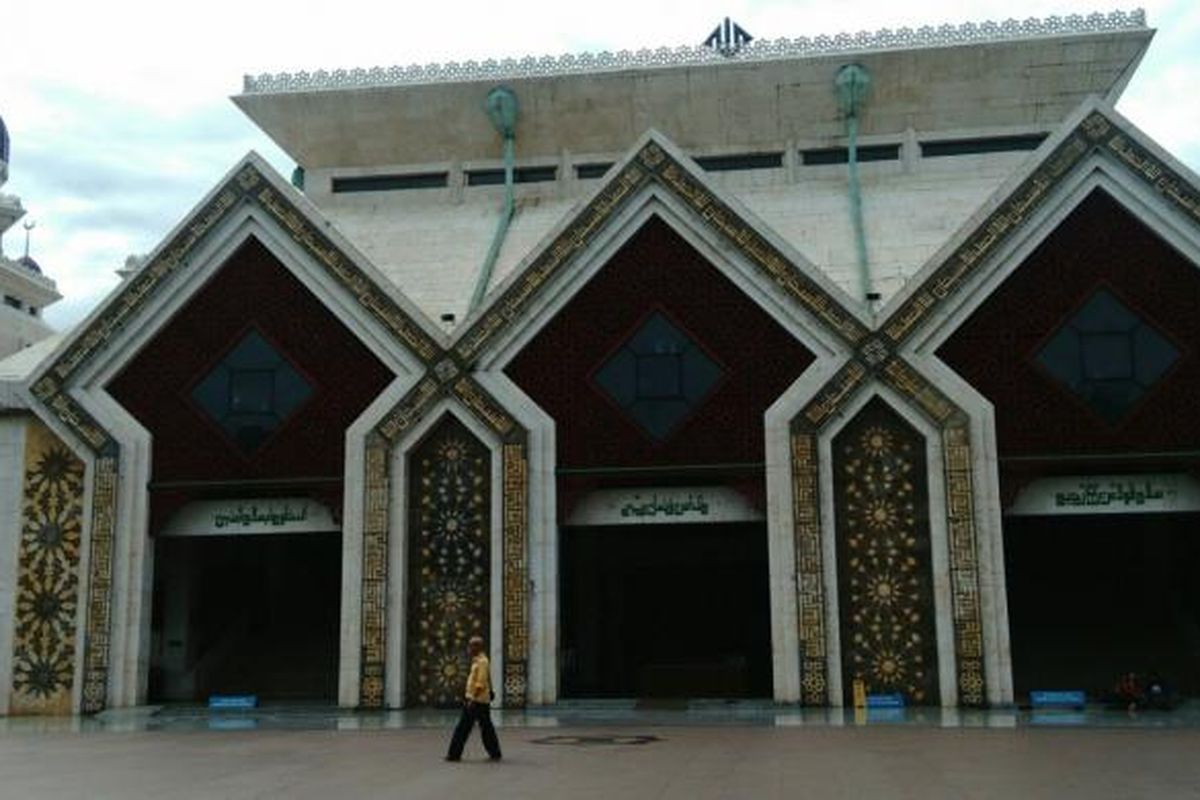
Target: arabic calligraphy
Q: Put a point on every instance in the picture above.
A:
(245, 516)
(665, 506)
(1125, 493)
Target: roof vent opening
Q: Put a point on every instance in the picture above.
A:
(495, 177)
(982, 145)
(841, 155)
(592, 170)
(391, 183)
(740, 161)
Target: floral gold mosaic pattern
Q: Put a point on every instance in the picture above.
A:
(47, 598)
(884, 570)
(449, 561)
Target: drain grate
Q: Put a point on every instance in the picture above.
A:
(592, 741)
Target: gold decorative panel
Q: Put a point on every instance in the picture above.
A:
(449, 561)
(516, 574)
(814, 678)
(885, 574)
(99, 595)
(47, 591)
(514, 535)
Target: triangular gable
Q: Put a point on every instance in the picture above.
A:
(656, 161)
(252, 181)
(1096, 128)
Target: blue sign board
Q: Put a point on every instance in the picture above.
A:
(895, 700)
(1073, 698)
(233, 701)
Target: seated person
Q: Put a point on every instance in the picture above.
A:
(1158, 693)
(1129, 692)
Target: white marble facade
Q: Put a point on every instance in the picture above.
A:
(920, 212)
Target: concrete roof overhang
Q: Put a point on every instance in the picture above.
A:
(745, 104)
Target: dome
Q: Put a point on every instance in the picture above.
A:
(4, 141)
(28, 263)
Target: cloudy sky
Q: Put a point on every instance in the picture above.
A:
(121, 121)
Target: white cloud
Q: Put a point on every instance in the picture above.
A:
(120, 118)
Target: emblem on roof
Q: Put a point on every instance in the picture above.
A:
(728, 38)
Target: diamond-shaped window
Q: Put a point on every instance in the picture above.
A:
(252, 392)
(659, 376)
(1108, 355)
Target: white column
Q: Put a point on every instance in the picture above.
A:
(12, 473)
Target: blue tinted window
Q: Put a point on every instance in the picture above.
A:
(251, 392)
(1107, 355)
(658, 376)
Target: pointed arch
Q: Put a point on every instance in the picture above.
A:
(67, 392)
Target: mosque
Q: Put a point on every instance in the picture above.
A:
(755, 369)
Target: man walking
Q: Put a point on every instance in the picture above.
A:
(477, 706)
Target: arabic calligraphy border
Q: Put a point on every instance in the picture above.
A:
(382, 440)
(50, 387)
(655, 164)
(1096, 133)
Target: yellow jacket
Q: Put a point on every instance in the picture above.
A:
(479, 681)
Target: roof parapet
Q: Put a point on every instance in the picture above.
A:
(694, 55)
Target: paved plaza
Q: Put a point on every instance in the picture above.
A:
(595, 755)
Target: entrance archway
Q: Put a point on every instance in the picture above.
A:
(1094, 596)
(247, 600)
(664, 593)
(655, 611)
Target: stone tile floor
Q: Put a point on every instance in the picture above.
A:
(613, 750)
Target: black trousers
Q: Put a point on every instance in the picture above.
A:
(472, 713)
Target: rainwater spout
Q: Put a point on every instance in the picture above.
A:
(852, 82)
(501, 107)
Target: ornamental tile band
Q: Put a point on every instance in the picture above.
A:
(810, 579)
(927, 36)
(99, 594)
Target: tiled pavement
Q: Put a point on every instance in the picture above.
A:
(604, 751)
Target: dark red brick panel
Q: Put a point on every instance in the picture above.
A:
(658, 270)
(1099, 244)
(252, 289)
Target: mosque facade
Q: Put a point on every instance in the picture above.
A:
(758, 369)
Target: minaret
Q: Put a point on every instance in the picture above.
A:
(24, 290)
(10, 206)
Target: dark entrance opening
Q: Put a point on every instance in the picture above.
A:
(665, 611)
(249, 614)
(1092, 597)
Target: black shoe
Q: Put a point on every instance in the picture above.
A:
(452, 759)
(494, 758)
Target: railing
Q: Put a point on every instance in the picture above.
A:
(694, 55)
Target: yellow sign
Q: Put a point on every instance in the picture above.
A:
(860, 693)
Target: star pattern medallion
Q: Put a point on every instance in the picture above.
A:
(449, 562)
(884, 562)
